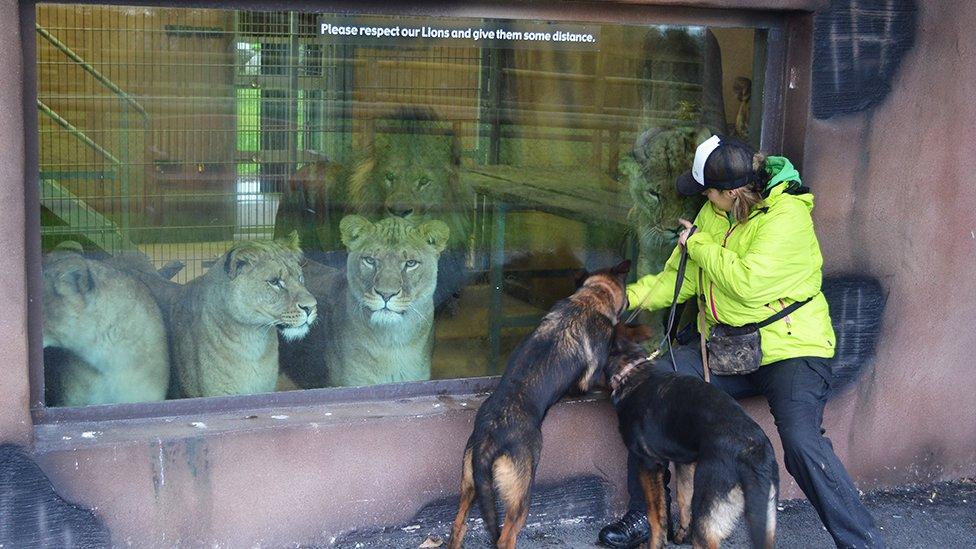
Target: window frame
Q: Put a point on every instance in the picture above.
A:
(786, 99)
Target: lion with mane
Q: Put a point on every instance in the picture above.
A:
(409, 169)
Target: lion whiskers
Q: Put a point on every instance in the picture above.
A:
(419, 313)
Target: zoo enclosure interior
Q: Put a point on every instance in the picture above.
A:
(178, 132)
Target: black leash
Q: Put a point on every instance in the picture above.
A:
(682, 265)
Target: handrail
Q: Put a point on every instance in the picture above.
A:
(90, 69)
(77, 133)
(127, 102)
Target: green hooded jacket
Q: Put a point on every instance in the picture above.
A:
(752, 270)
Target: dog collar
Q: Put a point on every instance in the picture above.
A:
(617, 381)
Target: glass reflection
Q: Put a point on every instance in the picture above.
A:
(241, 202)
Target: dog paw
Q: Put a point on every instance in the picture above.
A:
(653, 542)
(680, 536)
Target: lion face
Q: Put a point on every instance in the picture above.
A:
(660, 156)
(414, 174)
(413, 189)
(392, 265)
(267, 286)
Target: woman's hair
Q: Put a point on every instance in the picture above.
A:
(743, 202)
(741, 161)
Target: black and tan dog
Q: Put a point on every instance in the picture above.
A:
(566, 351)
(724, 463)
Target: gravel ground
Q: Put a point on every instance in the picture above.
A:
(941, 515)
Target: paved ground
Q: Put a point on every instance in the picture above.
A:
(941, 515)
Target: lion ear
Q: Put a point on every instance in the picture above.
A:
(76, 280)
(236, 260)
(70, 246)
(291, 242)
(352, 228)
(435, 233)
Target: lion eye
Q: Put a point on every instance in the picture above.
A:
(276, 283)
(412, 263)
(389, 178)
(369, 260)
(301, 279)
(423, 182)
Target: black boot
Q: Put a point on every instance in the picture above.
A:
(630, 531)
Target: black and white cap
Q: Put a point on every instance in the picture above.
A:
(720, 163)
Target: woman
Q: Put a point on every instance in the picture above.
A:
(754, 254)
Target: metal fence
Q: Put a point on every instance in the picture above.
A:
(173, 130)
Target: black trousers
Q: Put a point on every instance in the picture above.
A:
(796, 390)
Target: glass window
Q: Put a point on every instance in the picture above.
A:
(239, 202)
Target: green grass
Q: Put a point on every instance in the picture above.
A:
(248, 119)
(248, 126)
(247, 168)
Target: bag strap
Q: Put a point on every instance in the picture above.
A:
(701, 325)
(786, 311)
(752, 327)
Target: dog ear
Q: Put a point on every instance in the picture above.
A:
(622, 268)
(638, 333)
(599, 380)
(643, 333)
(579, 277)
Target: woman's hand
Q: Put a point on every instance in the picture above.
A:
(683, 235)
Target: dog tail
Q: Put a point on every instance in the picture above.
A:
(484, 483)
(760, 490)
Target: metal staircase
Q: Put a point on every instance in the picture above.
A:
(108, 227)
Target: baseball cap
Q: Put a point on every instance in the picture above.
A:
(720, 163)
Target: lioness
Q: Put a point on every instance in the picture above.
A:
(379, 328)
(110, 331)
(223, 323)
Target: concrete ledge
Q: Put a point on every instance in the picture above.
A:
(301, 474)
